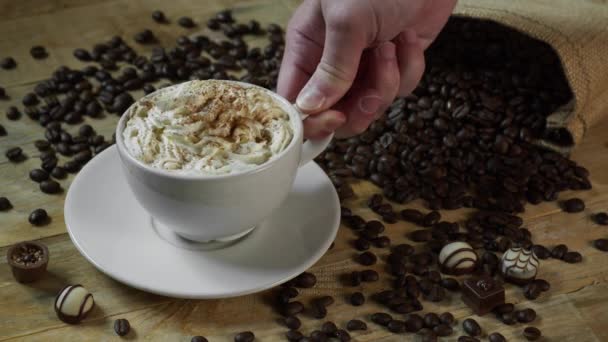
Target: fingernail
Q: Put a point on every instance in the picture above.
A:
(387, 51)
(370, 104)
(310, 99)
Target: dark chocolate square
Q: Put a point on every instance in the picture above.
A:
(482, 294)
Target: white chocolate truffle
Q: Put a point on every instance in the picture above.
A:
(73, 303)
(519, 265)
(457, 258)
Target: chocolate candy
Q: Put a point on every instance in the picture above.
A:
(73, 303)
(28, 261)
(519, 266)
(457, 258)
(482, 294)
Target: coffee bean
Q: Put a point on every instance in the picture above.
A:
(357, 299)
(186, 22)
(355, 222)
(50, 187)
(381, 318)
(122, 327)
(601, 219)
(42, 145)
(450, 284)
(2, 131)
(245, 336)
(471, 327)
(362, 244)
(532, 291)
(198, 339)
(12, 113)
(367, 258)
(443, 330)
(38, 217)
(325, 300)
(8, 63)
(15, 154)
(504, 308)
(467, 339)
(414, 323)
(329, 328)
(342, 335)
(423, 235)
(144, 37)
(305, 280)
(572, 257)
(293, 322)
(318, 336)
(71, 166)
(293, 308)
(355, 324)
(541, 252)
(573, 205)
(559, 251)
(369, 275)
(404, 249)
(375, 227)
(49, 164)
(396, 326)
(38, 52)
(427, 335)
(431, 320)
(412, 215)
(5, 204)
(601, 244)
(30, 99)
(542, 284)
(82, 55)
(293, 335)
(446, 318)
(159, 17)
(532, 333)
(38, 175)
(508, 318)
(83, 157)
(526, 315)
(496, 337)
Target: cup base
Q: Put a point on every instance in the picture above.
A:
(181, 241)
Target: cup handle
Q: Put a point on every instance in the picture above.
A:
(312, 148)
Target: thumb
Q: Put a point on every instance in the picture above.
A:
(336, 71)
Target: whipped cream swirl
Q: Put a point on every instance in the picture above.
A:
(207, 127)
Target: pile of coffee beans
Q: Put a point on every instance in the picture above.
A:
(466, 137)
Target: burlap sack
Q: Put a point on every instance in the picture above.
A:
(578, 31)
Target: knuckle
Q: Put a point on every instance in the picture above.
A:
(335, 73)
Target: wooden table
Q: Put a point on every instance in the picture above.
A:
(573, 310)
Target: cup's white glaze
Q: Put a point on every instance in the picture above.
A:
(211, 207)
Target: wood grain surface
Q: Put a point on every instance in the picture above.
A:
(573, 310)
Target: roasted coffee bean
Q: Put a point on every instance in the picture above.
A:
(541, 252)
(72, 166)
(573, 205)
(354, 278)
(601, 244)
(159, 17)
(38, 217)
(471, 327)
(58, 173)
(427, 335)
(362, 244)
(356, 222)
(8, 63)
(42, 145)
(467, 339)
(342, 335)
(601, 219)
(30, 99)
(50, 187)
(532, 333)
(356, 324)
(446, 318)
(369, 276)
(396, 326)
(198, 339)
(542, 284)
(559, 251)
(414, 323)
(186, 22)
(422, 235)
(325, 300)
(357, 299)
(504, 308)
(572, 257)
(293, 322)
(305, 280)
(375, 227)
(318, 336)
(367, 258)
(404, 249)
(431, 320)
(450, 284)
(148, 89)
(38, 175)
(532, 291)
(496, 337)
(12, 113)
(293, 308)
(82, 55)
(83, 157)
(508, 318)
(293, 335)
(2, 131)
(329, 328)
(431, 218)
(122, 327)
(5, 204)
(144, 37)
(49, 164)
(15, 154)
(245, 336)
(381, 318)
(443, 330)
(38, 52)
(525, 316)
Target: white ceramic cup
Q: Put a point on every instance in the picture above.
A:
(206, 208)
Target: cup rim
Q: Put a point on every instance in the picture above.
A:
(292, 111)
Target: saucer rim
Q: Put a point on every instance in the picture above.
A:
(311, 261)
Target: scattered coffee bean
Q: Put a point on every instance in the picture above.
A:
(362, 244)
(82, 55)
(526, 315)
(496, 337)
(38, 52)
(431, 320)
(50, 187)
(186, 22)
(601, 219)
(542, 284)
(357, 299)
(532, 290)
(573, 205)
(541, 252)
(356, 324)
(446, 318)
(71, 166)
(318, 336)
(342, 335)
(559, 251)
(355, 278)
(325, 300)
(2, 131)
(8, 63)
(38, 175)
(572, 257)
(42, 145)
(467, 339)
(427, 335)
(601, 244)
(381, 318)
(450, 284)
(367, 258)
(329, 328)
(396, 326)
(159, 17)
(293, 335)
(12, 113)
(122, 327)
(245, 336)
(5, 204)
(532, 333)
(30, 99)
(375, 227)
(412, 215)
(198, 339)
(293, 308)
(293, 322)
(15, 154)
(369, 276)
(59, 173)
(38, 217)
(508, 318)
(144, 37)
(471, 327)
(423, 235)
(305, 280)
(443, 330)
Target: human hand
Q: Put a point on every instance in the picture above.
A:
(345, 61)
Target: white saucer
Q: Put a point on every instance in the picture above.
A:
(111, 230)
